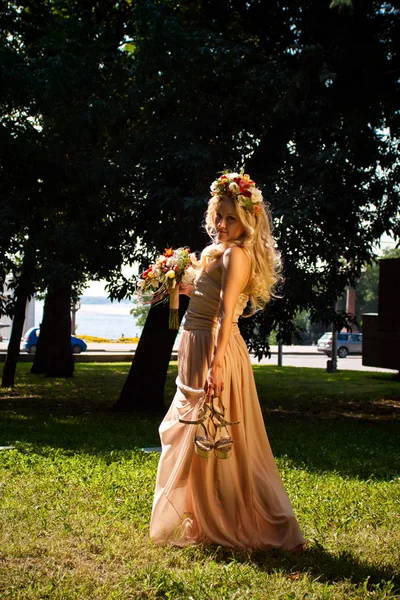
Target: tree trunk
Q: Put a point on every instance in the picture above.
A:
(60, 358)
(22, 293)
(143, 391)
(43, 345)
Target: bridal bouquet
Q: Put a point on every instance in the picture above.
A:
(161, 280)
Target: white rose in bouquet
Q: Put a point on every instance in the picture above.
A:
(189, 276)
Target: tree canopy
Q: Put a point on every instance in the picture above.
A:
(63, 116)
(304, 97)
(63, 121)
(115, 118)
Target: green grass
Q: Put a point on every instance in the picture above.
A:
(76, 493)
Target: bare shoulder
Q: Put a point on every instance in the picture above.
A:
(236, 257)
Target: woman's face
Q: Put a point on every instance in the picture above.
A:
(227, 223)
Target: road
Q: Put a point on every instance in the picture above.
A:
(293, 356)
(318, 361)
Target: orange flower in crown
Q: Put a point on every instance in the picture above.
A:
(168, 252)
(241, 188)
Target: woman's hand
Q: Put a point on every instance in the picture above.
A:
(215, 380)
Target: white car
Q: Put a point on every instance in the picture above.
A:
(347, 343)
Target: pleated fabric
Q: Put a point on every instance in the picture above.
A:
(239, 502)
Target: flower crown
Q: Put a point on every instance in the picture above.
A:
(241, 188)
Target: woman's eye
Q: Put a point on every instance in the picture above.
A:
(231, 219)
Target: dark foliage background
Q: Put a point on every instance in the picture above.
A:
(115, 118)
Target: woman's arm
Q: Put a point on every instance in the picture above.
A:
(235, 275)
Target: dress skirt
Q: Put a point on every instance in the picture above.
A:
(239, 502)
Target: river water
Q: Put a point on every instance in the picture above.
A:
(110, 321)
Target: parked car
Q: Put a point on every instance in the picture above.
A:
(347, 343)
(31, 339)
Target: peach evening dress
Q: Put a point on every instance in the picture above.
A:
(239, 502)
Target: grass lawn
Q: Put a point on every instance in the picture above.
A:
(76, 493)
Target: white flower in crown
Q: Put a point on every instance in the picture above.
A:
(256, 195)
(234, 188)
(214, 186)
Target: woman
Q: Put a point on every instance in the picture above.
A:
(239, 502)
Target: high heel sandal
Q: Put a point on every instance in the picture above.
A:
(223, 445)
(208, 415)
(203, 444)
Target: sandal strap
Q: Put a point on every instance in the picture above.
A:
(205, 410)
(220, 415)
(204, 442)
(224, 441)
(222, 422)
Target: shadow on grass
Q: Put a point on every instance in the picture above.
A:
(96, 434)
(350, 448)
(307, 419)
(309, 393)
(315, 561)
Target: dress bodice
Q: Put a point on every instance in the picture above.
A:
(203, 307)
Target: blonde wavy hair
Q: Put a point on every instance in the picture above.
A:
(266, 265)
